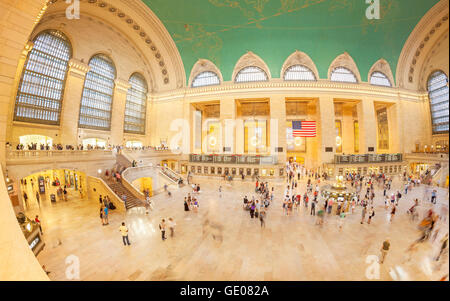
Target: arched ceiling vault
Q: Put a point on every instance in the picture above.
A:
(144, 30)
(223, 30)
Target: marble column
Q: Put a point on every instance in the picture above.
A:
(148, 125)
(348, 146)
(367, 126)
(227, 122)
(277, 136)
(118, 111)
(71, 103)
(395, 122)
(326, 129)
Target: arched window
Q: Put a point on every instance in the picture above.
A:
(380, 79)
(438, 94)
(136, 105)
(299, 72)
(342, 74)
(96, 102)
(40, 94)
(251, 74)
(206, 78)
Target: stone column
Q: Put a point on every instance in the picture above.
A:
(348, 146)
(326, 129)
(227, 122)
(277, 135)
(367, 126)
(148, 116)
(73, 91)
(395, 122)
(118, 111)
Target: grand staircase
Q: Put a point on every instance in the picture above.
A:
(120, 190)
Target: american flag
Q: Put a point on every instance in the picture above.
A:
(303, 128)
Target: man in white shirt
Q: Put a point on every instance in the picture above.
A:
(124, 230)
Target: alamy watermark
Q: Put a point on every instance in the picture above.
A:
(73, 10)
(373, 11)
(73, 267)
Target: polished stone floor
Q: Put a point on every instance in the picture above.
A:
(222, 242)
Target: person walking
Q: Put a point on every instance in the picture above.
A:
(313, 207)
(172, 225)
(25, 199)
(392, 213)
(37, 199)
(262, 217)
(371, 214)
(363, 214)
(38, 222)
(162, 227)
(124, 230)
(384, 250)
(433, 196)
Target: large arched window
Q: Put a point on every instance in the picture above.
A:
(380, 79)
(251, 74)
(136, 105)
(40, 94)
(206, 78)
(96, 102)
(299, 72)
(342, 74)
(438, 94)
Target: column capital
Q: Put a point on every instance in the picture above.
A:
(122, 85)
(78, 68)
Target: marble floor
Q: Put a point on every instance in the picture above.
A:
(222, 242)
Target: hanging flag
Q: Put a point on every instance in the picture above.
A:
(303, 128)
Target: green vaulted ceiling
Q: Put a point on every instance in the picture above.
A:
(223, 30)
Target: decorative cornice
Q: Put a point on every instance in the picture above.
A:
(78, 68)
(277, 86)
(122, 85)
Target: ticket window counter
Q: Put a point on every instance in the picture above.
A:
(205, 170)
(281, 172)
(233, 171)
(199, 169)
(264, 172)
(249, 172)
(226, 171)
(183, 169)
(241, 171)
(193, 169)
(256, 172)
(219, 170)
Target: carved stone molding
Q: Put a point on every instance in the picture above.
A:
(203, 65)
(122, 85)
(382, 66)
(345, 60)
(299, 58)
(28, 47)
(78, 68)
(250, 59)
(426, 32)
